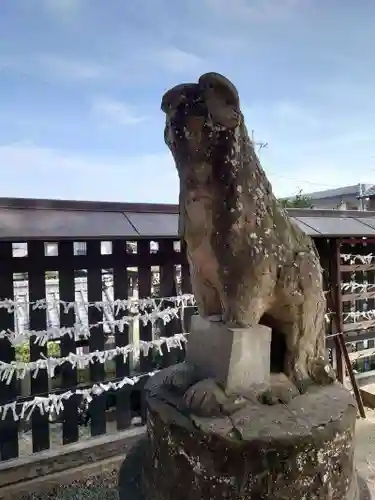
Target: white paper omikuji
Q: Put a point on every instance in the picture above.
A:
(354, 286)
(360, 315)
(354, 258)
(41, 337)
(132, 304)
(79, 361)
(148, 310)
(54, 403)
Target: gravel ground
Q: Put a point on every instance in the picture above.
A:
(104, 486)
(365, 448)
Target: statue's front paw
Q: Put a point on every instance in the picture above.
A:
(205, 398)
(175, 379)
(180, 376)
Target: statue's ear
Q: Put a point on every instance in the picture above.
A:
(221, 98)
(177, 95)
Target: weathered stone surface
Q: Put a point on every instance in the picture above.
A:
(280, 390)
(177, 385)
(301, 451)
(219, 424)
(234, 357)
(249, 263)
(131, 486)
(130, 474)
(363, 489)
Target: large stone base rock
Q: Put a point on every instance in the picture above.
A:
(303, 450)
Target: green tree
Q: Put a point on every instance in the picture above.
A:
(300, 200)
(23, 351)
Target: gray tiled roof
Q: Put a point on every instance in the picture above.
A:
(354, 190)
(52, 220)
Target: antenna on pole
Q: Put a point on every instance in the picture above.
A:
(259, 145)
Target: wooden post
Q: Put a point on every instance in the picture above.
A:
(336, 306)
(122, 336)
(96, 339)
(341, 350)
(8, 392)
(353, 380)
(327, 254)
(69, 375)
(38, 321)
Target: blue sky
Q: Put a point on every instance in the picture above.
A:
(81, 83)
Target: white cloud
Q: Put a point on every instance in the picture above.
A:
(279, 113)
(254, 9)
(286, 125)
(116, 111)
(52, 67)
(177, 61)
(71, 69)
(28, 156)
(293, 112)
(309, 179)
(50, 173)
(310, 148)
(59, 68)
(63, 9)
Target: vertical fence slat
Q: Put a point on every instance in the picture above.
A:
(168, 289)
(185, 272)
(186, 288)
(324, 248)
(68, 345)
(38, 321)
(369, 362)
(370, 305)
(96, 339)
(145, 331)
(144, 289)
(120, 284)
(8, 393)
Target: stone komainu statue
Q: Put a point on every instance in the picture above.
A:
(249, 263)
(213, 429)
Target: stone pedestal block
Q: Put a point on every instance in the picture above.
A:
(301, 451)
(235, 357)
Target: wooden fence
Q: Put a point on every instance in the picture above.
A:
(357, 278)
(116, 270)
(90, 271)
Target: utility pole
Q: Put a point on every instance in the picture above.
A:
(259, 145)
(361, 204)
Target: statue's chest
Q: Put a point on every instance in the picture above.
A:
(198, 213)
(203, 261)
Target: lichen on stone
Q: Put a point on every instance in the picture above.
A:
(248, 260)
